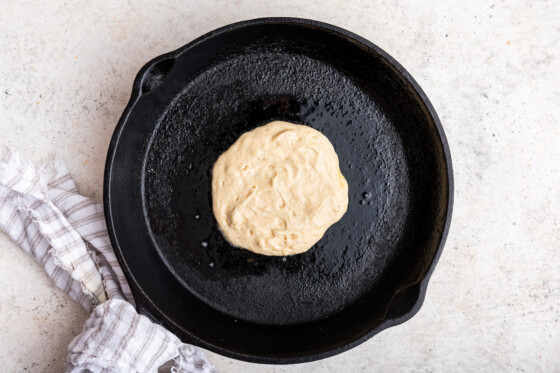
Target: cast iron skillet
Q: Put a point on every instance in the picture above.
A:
(370, 270)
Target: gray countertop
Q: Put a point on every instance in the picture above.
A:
(491, 70)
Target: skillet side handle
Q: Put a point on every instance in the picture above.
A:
(156, 74)
(405, 303)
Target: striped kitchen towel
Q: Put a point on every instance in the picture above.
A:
(41, 210)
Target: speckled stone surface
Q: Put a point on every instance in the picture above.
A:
(491, 69)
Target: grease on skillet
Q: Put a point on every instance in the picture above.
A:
(235, 96)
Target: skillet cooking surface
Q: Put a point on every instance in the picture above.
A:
(370, 269)
(220, 105)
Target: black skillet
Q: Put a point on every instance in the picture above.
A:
(370, 270)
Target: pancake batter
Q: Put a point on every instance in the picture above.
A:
(278, 188)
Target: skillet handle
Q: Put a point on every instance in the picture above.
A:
(142, 310)
(406, 302)
(156, 73)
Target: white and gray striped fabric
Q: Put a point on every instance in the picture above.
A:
(41, 210)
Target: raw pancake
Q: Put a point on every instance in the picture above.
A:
(278, 188)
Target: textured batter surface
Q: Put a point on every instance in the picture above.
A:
(489, 68)
(278, 188)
